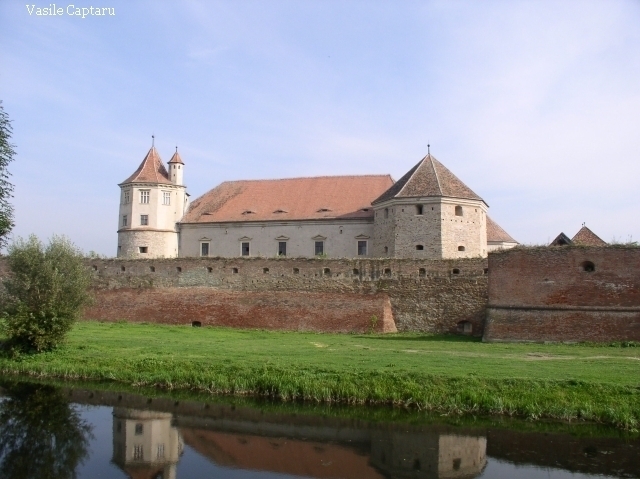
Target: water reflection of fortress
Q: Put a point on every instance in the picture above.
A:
(148, 445)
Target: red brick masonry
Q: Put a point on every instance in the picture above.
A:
(564, 294)
(301, 311)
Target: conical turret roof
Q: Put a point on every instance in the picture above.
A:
(428, 178)
(176, 158)
(151, 170)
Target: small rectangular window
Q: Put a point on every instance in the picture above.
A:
(143, 249)
(282, 248)
(144, 220)
(245, 249)
(139, 428)
(319, 247)
(144, 196)
(204, 249)
(362, 248)
(124, 220)
(160, 451)
(166, 197)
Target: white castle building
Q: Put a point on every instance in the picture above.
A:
(429, 213)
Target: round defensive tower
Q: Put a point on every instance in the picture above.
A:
(152, 202)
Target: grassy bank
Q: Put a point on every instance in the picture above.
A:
(443, 374)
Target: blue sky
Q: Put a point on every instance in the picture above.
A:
(534, 104)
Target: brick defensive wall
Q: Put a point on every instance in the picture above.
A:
(567, 293)
(341, 295)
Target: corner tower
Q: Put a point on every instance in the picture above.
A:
(429, 213)
(152, 202)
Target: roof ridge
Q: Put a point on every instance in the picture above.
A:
(415, 169)
(435, 172)
(311, 177)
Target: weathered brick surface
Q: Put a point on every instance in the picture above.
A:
(434, 300)
(301, 311)
(550, 294)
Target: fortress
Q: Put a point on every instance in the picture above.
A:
(428, 214)
(354, 254)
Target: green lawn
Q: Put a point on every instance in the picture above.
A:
(440, 373)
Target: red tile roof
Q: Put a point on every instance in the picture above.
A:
(176, 158)
(495, 233)
(586, 237)
(151, 170)
(321, 197)
(428, 178)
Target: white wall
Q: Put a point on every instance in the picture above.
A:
(225, 239)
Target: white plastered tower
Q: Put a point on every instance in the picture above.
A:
(152, 202)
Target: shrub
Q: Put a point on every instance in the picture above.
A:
(44, 293)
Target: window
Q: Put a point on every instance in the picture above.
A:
(166, 197)
(296, 270)
(139, 428)
(245, 249)
(126, 197)
(204, 249)
(282, 248)
(422, 272)
(138, 454)
(319, 247)
(143, 249)
(196, 324)
(160, 451)
(144, 220)
(386, 212)
(144, 196)
(387, 272)
(234, 270)
(458, 210)
(152, 269)
(356, 271)
(178, 269)
(460, 248)
(124, 220)
(362, 248)
(326, 272)
(386, 249)
(420, 247)
(418, 209)
(265, 270)
(456, 271)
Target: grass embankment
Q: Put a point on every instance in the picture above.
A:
(444, 374)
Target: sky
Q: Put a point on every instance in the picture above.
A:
(535, 105)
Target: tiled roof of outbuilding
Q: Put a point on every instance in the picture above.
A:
(495, 233)
(586, 237)
(151, 170)
(428, 178)
(321, 197)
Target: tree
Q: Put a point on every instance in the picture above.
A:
(6, 188)
(44, 292)
(42, 436)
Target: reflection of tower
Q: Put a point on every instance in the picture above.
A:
(428, 456)
(145, 444)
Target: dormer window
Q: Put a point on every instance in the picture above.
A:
(364, 209)
(248, 212)
(323, 210)
(278, 211)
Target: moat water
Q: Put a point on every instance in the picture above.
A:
(58, 433)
